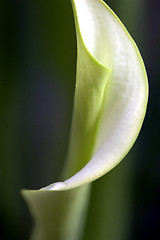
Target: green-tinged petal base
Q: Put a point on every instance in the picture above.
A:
(58, 215)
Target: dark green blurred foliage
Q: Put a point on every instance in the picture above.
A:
(37, 78)
(37, 74)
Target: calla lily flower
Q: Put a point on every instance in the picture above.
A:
(109, 107)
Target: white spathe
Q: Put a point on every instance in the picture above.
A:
(126, 92)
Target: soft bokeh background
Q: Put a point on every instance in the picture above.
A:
(37, 78)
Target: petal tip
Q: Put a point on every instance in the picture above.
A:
(57, 186)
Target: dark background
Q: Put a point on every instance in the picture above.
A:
(37, 78)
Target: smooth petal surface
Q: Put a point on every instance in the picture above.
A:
(108, 43)
(109, 107)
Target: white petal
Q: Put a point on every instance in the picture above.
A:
(126, 92)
